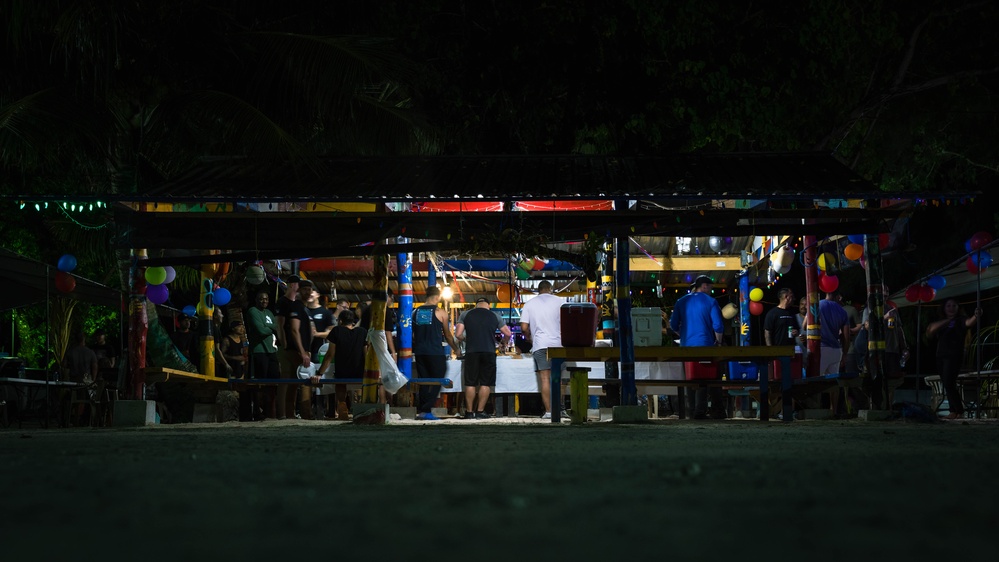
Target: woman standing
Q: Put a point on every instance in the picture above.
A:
(950, 333)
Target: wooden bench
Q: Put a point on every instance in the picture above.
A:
(164, 374)
(757, 354)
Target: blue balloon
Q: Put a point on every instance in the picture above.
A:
(67, 263)
(856, 239)
(967, 245)
(937, 282)
(190, 310)
(222, 296)
(981, 259)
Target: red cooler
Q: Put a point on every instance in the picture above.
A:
(579, 324)
(796, 368)
(700, 370)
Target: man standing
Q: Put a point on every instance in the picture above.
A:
(431, 330)
(541, 324)
(479, 331)
(835, 328)
(185, 340)
(781, 326)
(698, 320)
(262, 334)
(293, 318)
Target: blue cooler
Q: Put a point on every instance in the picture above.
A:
(743, 371)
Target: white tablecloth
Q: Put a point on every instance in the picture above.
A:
(516, 374)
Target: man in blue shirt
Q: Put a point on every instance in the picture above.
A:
(834, 325)
(698, 320)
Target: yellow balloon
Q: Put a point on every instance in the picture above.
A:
(825, 260)
(756, 295)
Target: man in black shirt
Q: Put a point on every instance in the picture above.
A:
(296, 330)
(479, 372)
(781, 324)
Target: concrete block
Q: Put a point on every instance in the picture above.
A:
(205, 413)
(630, 414)
(606, 414)
(405, 412)
(817, 414)
(874, 415)
(131, 413)
(370, 414)
(440, 412)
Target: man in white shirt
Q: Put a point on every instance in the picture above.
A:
(541, 324)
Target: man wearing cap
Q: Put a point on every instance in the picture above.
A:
(541, 324)
(478, 329)
(697, 318)
(431, 330)
(296, 336)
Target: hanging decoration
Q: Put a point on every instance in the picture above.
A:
(65, 282)
(155, 275)
(937, 282)
(756, 294)
(853, 252)
(157, 294)
(755, 308)
(171, 274)
(255, 275)
(67, 263)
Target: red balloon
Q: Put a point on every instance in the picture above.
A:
(980, 239)
(972, 266)
(926, 293)
(912, 293)
(65, 282)
(883, 240)
(539, 264)
(755, 308)
(828, 283)
(890, 304)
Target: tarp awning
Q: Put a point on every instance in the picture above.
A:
(27, 281)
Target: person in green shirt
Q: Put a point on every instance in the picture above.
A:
(262, 333)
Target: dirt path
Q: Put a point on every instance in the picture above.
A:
(501, 491)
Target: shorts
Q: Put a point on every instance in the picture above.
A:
(289, 360)
(430, 366)
(265, 366)
(541, 361)
(829, 359)
(479, 369)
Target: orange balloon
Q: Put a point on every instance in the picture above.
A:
(853, 251)
(503, 293)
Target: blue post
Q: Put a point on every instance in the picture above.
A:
(744, 315)
(405, 316)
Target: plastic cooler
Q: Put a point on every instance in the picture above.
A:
(647, 326)
(796, 368)
(743, 371)
(700, 370)
(579, 324)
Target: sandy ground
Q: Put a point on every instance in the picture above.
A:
(503, 490)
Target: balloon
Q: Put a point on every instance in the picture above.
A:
(890, 304)
(926, 293)
(756, 295)
(714, 243)
(967, 245)
(883, 240)
(190, 310)
(65, 282)
(828, 283)
(171, 274)
(255, 275)
(67, 263)
(155, 275)
(826, 261)
(503, 293)
(527, 265)
(937, 282)
(222, 296)
(729, 311)
(157, 294)
(755, 308)
(979, 240)
(982, 260)
(728, 240)
(972, 266)
(912, 293)
(522, 274)
(539, 264)
(863, 261)
(853, 251)
(856, 239)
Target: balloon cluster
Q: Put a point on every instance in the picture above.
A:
(65, 282)
(524, 267)
(920, 293)
(980, 259)
(157, 279)
(755, 304)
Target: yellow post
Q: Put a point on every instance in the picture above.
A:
(206, 309)
(579, 394)
(369, 382)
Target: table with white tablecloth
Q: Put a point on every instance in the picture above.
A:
(515, 374)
